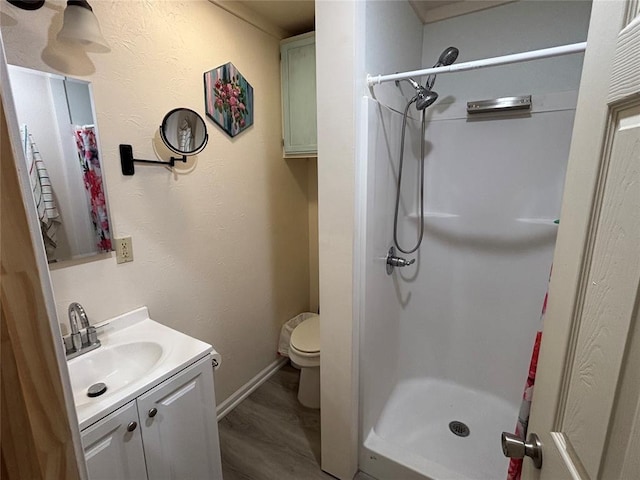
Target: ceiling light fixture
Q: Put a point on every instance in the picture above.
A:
(80, 25)
(27, 4)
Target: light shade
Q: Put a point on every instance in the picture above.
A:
(27, 4)
(81, 26)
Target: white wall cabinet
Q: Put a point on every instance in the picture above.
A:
(298, 63)
(170, 432)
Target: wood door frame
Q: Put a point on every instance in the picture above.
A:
(39, 425)
(582, 203)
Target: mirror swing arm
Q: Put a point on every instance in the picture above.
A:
(126, 160)
(183, 131)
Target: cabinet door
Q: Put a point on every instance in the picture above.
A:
(179, 426)
(113, 446)
(299, 96)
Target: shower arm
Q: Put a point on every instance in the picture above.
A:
(487, 62)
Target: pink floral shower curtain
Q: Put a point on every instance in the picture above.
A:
(87, 145)
(515, 464)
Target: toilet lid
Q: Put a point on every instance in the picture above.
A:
(306, 336)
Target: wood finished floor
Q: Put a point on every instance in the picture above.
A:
(270, 436)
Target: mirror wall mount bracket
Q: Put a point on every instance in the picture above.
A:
(126, 160)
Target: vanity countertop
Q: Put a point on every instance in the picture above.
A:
(136, 354)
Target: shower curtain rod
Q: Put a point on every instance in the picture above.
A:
(487, 62)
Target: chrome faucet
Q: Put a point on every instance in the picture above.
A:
(79, 342)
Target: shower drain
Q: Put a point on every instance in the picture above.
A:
(459, 429)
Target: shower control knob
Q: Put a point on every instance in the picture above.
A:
(400, 262)
(393, 261)
(514, 447)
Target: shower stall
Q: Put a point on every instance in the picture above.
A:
(445, 342)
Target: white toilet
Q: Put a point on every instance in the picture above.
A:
(304, 352)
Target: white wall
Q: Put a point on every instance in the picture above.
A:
(493, 189)
(38, 114)
(483, 274)
(221, 244)
(515, 27)
(79, 101)
(340, 33)
(393, 43)
(314, 293)
(338, 56)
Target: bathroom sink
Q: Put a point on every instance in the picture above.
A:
(116, 366)
(135, 355)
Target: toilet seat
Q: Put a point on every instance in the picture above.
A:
(296, 355)
(305, 338)
(304, 346)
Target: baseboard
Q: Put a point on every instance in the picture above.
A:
(248, 388)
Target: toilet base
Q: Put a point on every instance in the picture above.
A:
(309, 387)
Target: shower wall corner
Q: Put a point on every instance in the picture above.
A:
(393, 42)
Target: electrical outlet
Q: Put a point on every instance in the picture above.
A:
(124, 250)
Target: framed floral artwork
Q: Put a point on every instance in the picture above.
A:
(228, 99)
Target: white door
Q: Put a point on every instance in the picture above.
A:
(179, 428)
(113, 446)
(586, 404)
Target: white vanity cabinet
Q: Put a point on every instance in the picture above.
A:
(175, 434)
(113, 446)
(179, 427)
(298, 69)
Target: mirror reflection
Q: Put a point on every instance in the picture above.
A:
(184, 131)
(60, 141)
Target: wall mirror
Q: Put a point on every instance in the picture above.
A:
(184, 131)
(59, 136)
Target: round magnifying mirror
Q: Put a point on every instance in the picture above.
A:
(184, 132)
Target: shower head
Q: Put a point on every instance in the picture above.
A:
(447, 57)
(425, 98)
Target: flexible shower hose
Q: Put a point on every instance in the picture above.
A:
(399, 185)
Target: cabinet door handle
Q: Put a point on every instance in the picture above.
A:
(152, 412)
(132, 426)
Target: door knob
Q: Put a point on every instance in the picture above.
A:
(514, 447)
(152, 412)
(132, 426)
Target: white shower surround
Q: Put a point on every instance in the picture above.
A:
(460, 326)
(450, 339)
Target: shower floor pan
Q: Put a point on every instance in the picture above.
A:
(413, 437)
